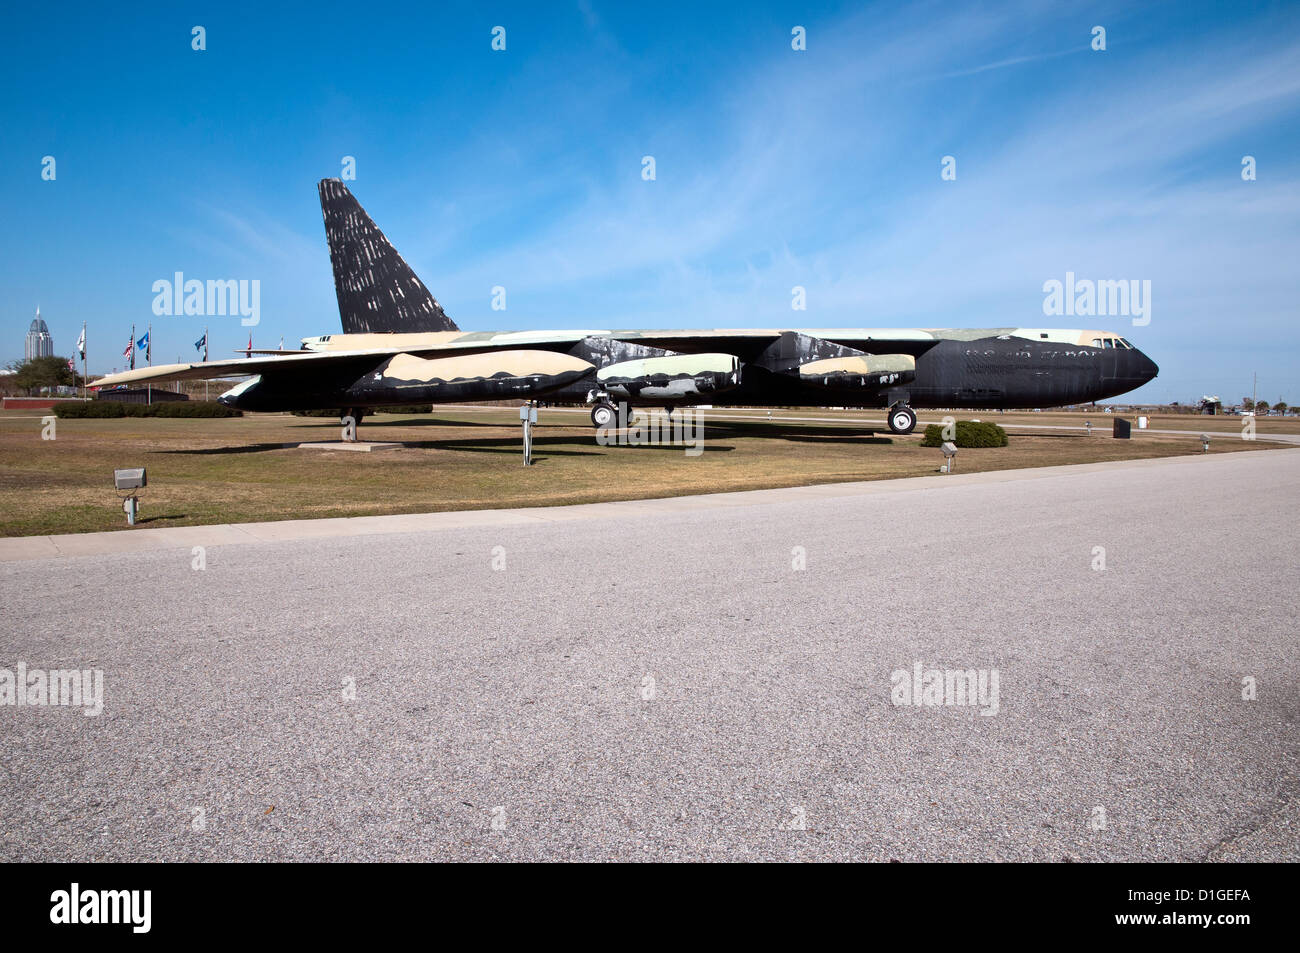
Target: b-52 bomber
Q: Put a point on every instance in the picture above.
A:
(398, 346)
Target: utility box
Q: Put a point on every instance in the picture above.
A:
(1123, 429)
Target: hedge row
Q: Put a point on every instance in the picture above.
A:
(338, 411)
(970, 433)
(165, 408)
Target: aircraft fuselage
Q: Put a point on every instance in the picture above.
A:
(994, 372)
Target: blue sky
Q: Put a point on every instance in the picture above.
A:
(775, 168)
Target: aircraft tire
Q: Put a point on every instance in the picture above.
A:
(902, 419)
(604, 415)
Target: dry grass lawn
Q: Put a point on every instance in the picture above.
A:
(236, 470)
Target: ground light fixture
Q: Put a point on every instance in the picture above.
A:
(950, 456)
(130, 480)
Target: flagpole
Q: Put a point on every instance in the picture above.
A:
(148, 356)
(205, 360)
(85, 378)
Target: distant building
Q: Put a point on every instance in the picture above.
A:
(39, 343)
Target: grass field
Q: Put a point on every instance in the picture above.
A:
(237, 470)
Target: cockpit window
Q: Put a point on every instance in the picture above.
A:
(1096, 342)
(1110, 342)
(1124, 341)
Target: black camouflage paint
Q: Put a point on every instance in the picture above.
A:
(378, 292)
(376, 288)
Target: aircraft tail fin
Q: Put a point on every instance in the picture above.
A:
(377, 290)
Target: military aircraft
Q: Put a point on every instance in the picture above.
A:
(398, 346)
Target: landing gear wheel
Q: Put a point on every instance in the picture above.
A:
(603, 415)
(902, 419)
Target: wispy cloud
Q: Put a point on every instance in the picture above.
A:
(1125, 169)
(1012, 61)
(821, 168)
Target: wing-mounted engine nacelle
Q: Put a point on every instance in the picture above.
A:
(493, 375)
(674, 377)
(823, 363)
(868, 372)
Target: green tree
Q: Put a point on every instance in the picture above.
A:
(42, 372)
(1281, 406)
(1247, 404)
(1261, 407)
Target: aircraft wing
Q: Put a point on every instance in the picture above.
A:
(747, 344)
(240, 367)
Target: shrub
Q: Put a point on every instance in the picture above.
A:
(94, 408)
(101, 409)
(970, 433)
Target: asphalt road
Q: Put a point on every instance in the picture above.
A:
(509, 713)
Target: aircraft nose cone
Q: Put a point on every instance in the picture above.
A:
(1146, 368)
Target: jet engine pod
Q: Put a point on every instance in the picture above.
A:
(672, 377)
(492, 375)
(867, 372)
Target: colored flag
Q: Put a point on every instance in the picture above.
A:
(202, 342)
(144, 343)
(81, 343)
(129, 354)
(72, 366)
(250, 345)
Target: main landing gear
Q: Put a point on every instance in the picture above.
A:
(605, 414)
(902, 419)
